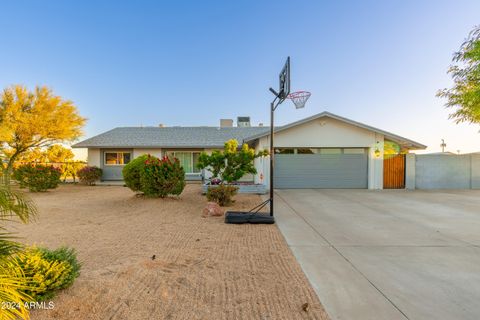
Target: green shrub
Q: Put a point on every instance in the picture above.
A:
(47, 271)
(131, 172)
(162, 177)
(222, 194)
(37, 177)
(64, 254)
(89, 175)
(232, 163)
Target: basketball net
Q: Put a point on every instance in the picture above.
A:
(299, 98)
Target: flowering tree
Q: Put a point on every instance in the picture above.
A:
(232, 163)
(30, 120)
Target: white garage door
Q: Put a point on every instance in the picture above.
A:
(341, 168)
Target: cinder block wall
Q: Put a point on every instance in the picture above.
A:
(442, 171)
(475, 171)
(410, 171)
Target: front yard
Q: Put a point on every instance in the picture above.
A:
(159, 259)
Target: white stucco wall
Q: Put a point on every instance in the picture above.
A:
(93, 157)
(327, 133)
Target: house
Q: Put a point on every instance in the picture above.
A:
(321, 151)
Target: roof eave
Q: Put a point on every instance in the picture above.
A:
(149, 147)
(414, 145)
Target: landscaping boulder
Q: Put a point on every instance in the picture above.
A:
(212, 209)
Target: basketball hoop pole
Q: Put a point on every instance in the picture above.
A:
(273, 106)
(272, 151)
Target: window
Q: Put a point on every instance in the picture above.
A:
(306, 151)
(117, 158)
(354, 151)
(330, 151)
(188, 160)
(284, 151)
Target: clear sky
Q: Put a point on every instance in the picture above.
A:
(194, 62)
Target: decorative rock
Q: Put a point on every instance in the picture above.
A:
(212, 209)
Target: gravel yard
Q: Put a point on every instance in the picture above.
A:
(203, 268)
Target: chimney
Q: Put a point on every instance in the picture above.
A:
(260, 124)
(243, 121)
(161, 125)
(226, 123)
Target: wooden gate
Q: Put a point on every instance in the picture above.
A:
(394, 172)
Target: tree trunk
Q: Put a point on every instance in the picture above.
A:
(7, 173)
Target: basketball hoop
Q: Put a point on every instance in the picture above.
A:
(299, 98)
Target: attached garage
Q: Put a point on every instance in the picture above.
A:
(326, 151)
(332, 168)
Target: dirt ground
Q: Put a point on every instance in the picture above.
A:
(203, 268)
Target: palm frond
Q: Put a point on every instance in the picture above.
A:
(8, 246)
(14, 203)
(12, 287)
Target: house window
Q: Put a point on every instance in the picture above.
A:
(117, 158)
(354, 151)
(330, 151)
(306, 151)
(284, 151)
(188, 160)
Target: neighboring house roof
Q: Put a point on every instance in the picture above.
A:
(169, 137)
(389, 136)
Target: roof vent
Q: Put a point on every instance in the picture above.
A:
(161, 125)
(226, 123)
(260, 124)
(243, 121)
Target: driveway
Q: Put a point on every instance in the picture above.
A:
(391, 254)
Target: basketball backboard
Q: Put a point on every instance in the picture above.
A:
(284, 77)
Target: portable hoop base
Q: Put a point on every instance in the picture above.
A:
(239, 217)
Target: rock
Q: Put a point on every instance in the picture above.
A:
(212, 209)
(305, 307)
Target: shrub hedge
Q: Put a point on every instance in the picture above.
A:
(48, 271)
(162, 177)
(222, 194)
(155, 177)
(131, 172)
(37, 177)
(89, 175)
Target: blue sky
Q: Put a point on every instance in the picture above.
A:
(194, 62)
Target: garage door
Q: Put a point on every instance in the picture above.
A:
(321, 168)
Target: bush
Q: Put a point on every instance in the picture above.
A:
(64, 254)
(37, 177)
(131, 172)
(48, 271)
(70, 169)
(162, 177)
(222, 194)
(232, 163)
(89, 175)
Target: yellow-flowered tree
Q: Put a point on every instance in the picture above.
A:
(34, 119)
(232, 163)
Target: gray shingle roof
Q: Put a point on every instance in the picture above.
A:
(179, 137)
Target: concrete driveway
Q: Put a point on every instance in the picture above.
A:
(391, 254)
